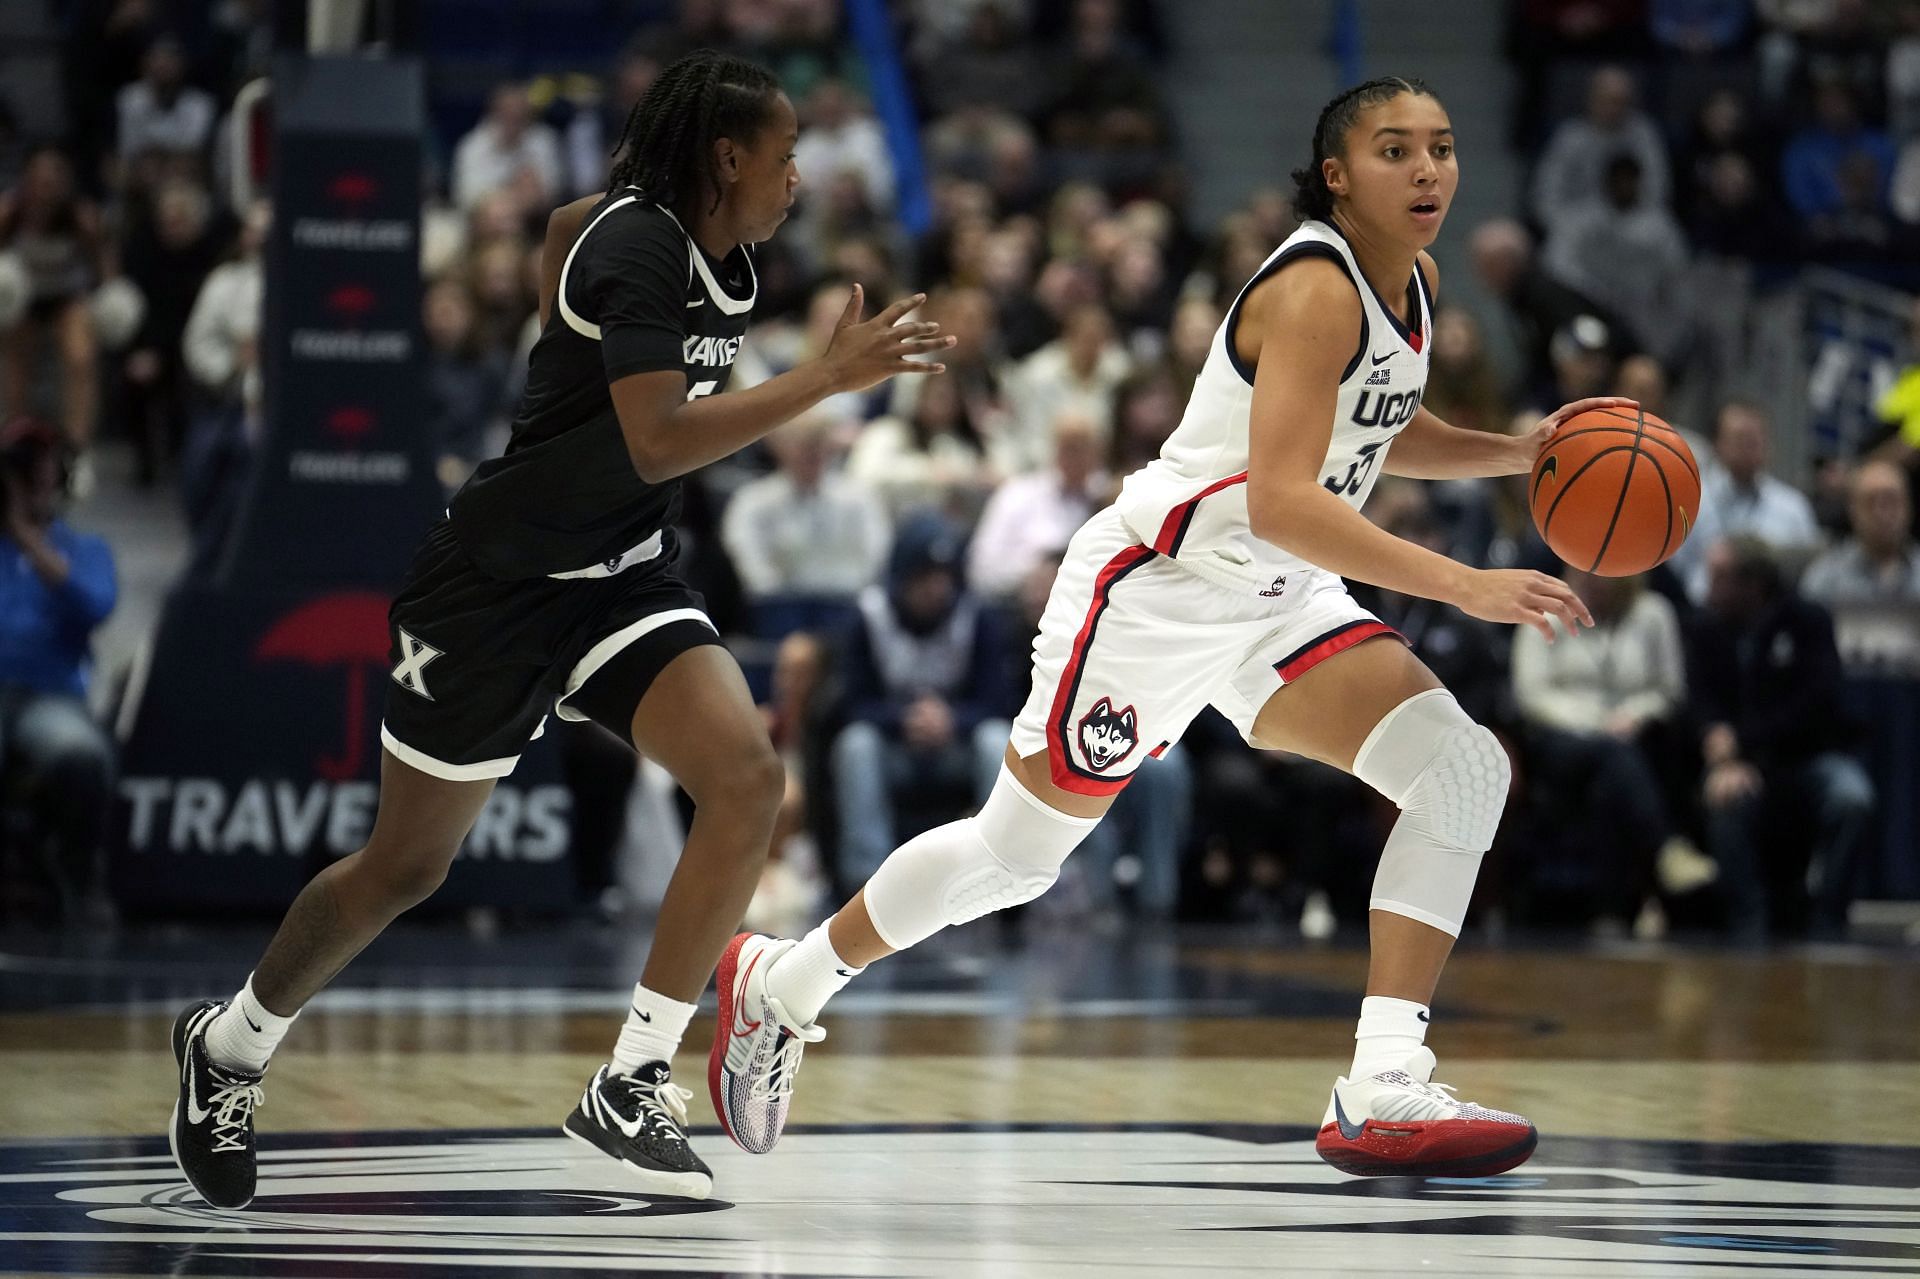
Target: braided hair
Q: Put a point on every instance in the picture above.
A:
(1312, 198)
(666, 148)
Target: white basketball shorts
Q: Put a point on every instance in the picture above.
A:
(1132, 647)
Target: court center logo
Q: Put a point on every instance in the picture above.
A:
(1107, 736)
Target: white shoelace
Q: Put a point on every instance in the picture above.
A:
(664, 1103)
(775, 1083)
(232, 1108)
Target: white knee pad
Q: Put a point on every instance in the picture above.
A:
(1009, 852)
(1449, 776)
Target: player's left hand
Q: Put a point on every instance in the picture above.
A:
(1528, 446)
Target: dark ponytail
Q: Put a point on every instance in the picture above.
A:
(1311, 197)
(666, 148)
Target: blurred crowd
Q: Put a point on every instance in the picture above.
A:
(882, 561)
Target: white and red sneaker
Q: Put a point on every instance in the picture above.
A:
(1399, 1123)
(756, 1046)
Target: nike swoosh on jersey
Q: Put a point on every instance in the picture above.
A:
(1380, 359)
(696, 302)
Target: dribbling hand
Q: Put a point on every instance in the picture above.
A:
(1527, 447)
(865, 353)
(1523, 596)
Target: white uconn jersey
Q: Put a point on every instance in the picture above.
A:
(1191, 502)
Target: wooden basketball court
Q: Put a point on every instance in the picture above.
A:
(1071, 1104)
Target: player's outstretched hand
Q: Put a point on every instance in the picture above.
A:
(1524, 596)
(1528, 446)
(863, 353)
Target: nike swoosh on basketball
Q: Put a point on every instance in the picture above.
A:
(1380, 359)
(1348, 1129)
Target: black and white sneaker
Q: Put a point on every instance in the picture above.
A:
(212, 1130)
(641, 1120)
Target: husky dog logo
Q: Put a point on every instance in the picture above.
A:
(1107, 736)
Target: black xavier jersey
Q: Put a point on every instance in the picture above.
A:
(636, 295)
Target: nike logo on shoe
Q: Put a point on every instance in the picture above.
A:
(741, 1026)
(1348, 1129)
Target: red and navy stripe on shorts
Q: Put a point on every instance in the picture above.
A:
(1173, 529)
(1337, 640)
(1067, 773)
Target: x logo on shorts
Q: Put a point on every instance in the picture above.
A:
(410, 674)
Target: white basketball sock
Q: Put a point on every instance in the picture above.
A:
(245, 1035)
(1390, 1031)
(808, 975)
(655, 1025)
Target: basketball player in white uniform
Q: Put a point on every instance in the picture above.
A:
(1217, 579)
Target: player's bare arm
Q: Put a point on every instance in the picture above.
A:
(1301, 327)
(668, 435)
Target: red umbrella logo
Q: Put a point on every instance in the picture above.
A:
(349, 422)
(352, 188)
(347, 628)
(351, 301)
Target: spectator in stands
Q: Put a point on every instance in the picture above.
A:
(1739, 498)
(931, 456)
(221, 351)
(1601, 717)
(1190, 340)
(804, 529)
(1880, 563)
(1033, 514)
(987, 63)
(505, 145)
(1724, 126)
(587, 134)
(839, 135)
(58, 238)
(1829, 157)
(1627, 254)
(927, 699)
(1108, 100)
(1078, 373)
(1528, 308)
(1462, 385)
(163, 119)
(1699, 28)
(169, 258)
(464, 384)
(1146, 409)
(56, 587)
(1574, 165)
(1767, 677)
(1899, 406)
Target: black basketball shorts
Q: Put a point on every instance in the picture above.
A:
(479, 663)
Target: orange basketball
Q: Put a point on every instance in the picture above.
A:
(1615, 492)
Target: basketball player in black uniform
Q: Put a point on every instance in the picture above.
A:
(550, 588)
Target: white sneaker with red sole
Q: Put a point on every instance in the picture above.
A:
(1399, 1123)
(756, 1045)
